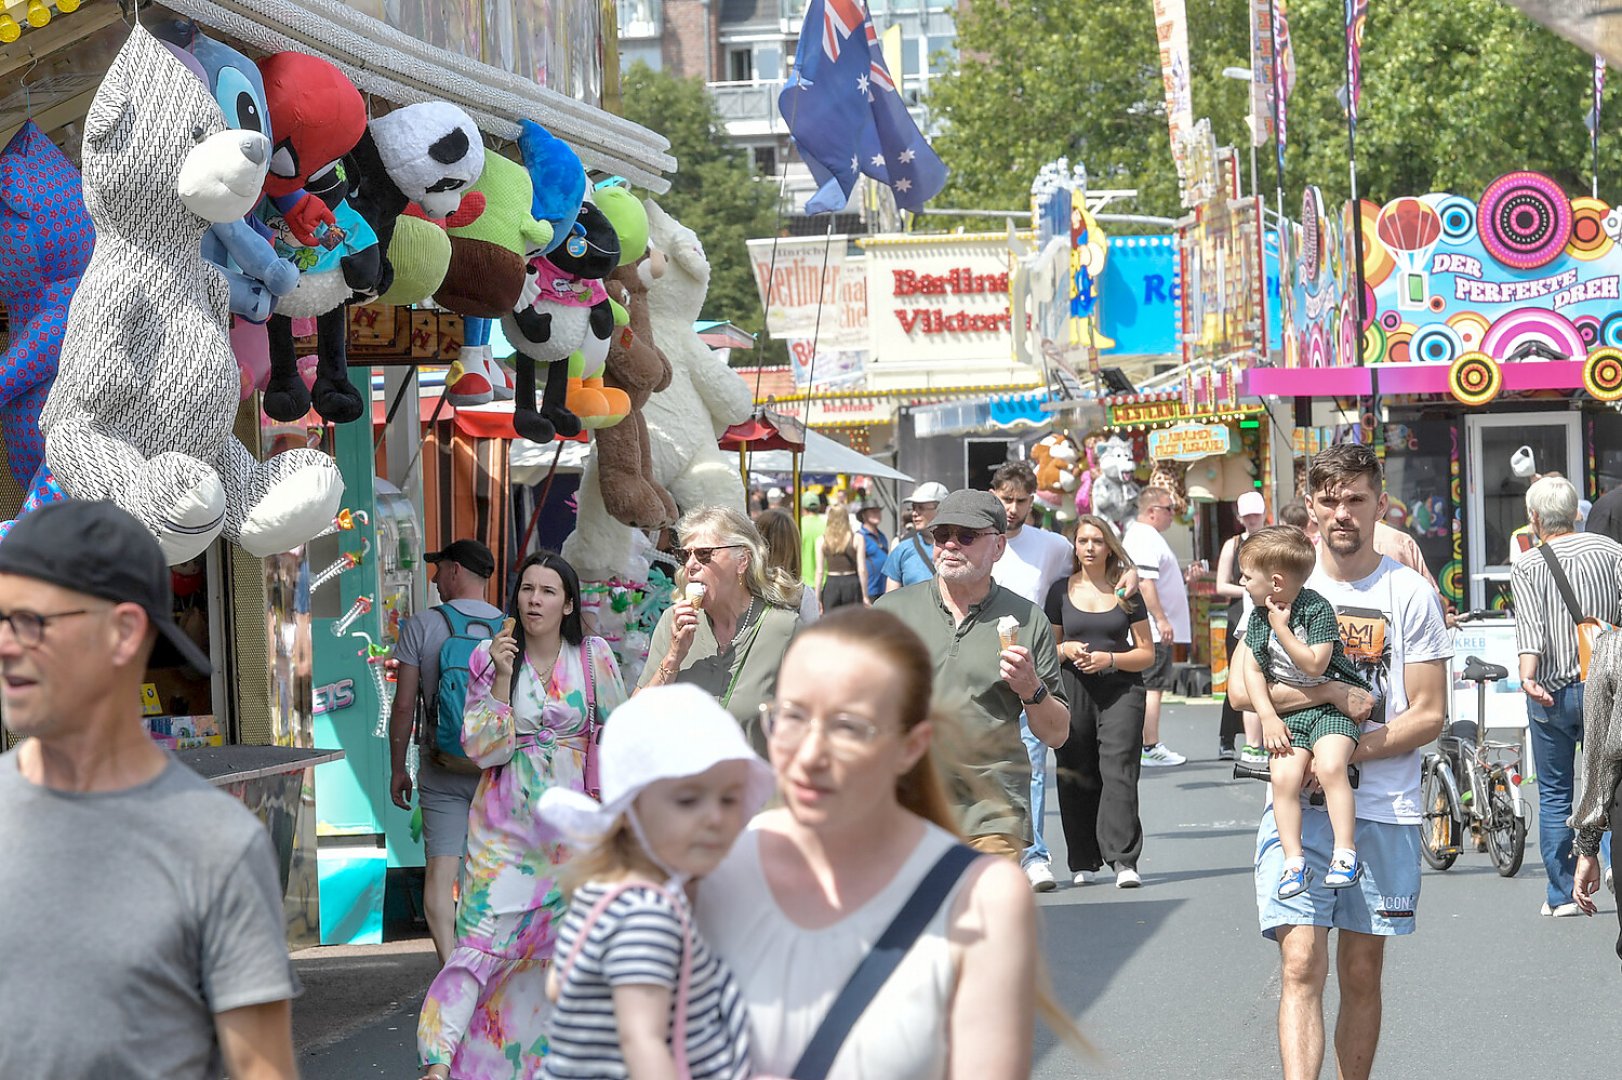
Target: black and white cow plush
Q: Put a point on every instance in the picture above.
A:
(147, 390)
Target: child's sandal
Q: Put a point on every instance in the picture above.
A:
(1293, 882)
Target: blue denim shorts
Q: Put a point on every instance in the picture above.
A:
(1383, 902)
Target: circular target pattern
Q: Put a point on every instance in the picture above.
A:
(1435, 343)
(1588, 240)
(1453, 578)
(1602, 374)
(1471, 327)
(1398, 348)
(1312, 238)
(1373, 344)
(1437, 304)
(1378, 262)
(1524, 220)
(1390, 320)
(1453, 490)
(1610, 331)
(1475, 379)
(1588, 327)
(1500, 602)
(1458, 216)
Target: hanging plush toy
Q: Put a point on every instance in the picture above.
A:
(564, 304)
(242, 249)
(1057, 460)
(1115, 491)
(318, 117)
(146, 397)
(486, 274)
(45, 243)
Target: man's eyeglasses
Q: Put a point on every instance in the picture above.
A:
(787, 727)
(945, 534)
(1161, 506)
(702, 554)
(28, 627)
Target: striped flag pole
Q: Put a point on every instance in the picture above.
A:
(1594, 121)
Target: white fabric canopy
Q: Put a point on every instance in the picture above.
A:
(823, 455)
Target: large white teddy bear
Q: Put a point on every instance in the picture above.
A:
(147, 390)
(705, 397)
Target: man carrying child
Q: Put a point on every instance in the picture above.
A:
(1392, 629)
(1295, 639)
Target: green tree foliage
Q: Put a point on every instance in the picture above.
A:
(714, 191)
(1455, 92)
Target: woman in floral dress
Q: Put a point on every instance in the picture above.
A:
(485, 1015)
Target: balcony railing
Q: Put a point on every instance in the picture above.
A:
(640, 18)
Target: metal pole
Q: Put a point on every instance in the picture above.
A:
(1357, 220)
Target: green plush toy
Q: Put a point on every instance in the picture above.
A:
(486, 274)
(420, 253)
(630, 220)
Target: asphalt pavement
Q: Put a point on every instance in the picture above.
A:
(1173, 979)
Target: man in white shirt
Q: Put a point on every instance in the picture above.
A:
(1032, 562)
(1392, 628)
(1166, 596)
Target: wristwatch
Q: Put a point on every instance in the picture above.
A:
(1037, 698)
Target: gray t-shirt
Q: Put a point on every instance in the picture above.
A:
(424, 634)
(127, 920)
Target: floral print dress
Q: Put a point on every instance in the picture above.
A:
(486, 1012)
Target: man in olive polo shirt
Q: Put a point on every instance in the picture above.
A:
(956, 613)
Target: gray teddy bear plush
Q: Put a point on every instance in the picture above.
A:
(147, 390)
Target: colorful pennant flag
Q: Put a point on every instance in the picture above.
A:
(1171, 30)
(1357, 12)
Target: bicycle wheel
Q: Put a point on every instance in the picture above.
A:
(1439, 832)
(1506, 833)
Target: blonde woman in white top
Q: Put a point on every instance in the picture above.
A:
(809, 886)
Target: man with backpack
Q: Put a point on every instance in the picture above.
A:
(912, 559)
(433, 653)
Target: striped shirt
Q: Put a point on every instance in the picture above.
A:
(637, 941)
(1543, 623)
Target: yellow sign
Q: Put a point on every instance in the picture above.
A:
(150, 705)
(1188, 442)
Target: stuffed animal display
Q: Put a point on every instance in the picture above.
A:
(1059, 469)
(45, 243)
(147, 388)
(704, 398)
(1115, 490)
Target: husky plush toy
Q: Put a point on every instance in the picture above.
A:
(147, 390)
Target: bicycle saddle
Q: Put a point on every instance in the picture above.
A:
(1478, 670)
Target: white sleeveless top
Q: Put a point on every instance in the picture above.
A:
(791, 975)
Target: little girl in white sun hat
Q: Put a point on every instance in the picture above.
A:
(679, 782)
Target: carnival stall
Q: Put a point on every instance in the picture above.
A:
(1487, 354)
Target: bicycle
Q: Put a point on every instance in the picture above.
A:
(1487, 804)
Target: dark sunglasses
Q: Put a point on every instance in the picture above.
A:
(944, 534)
(703, 554)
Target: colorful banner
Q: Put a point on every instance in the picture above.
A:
(1263, 79)
(1189, 442)
(1284, 73)
(1171, 30)
(1357, 12)
(1139, 296)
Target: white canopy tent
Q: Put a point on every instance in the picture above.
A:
(823, 455)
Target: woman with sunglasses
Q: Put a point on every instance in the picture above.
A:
(1105, 644)
(729, 636)
(797, 904)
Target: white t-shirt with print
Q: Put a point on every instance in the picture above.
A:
(1034, 560)
(1155, 562)
(1388, 619)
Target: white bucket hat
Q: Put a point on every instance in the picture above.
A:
(664, 733)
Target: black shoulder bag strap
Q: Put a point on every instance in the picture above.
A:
(1562, 583)
(881, 961)
(922, 554)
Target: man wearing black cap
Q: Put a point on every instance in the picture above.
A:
(962, 613)
(142, 924)
(432, 652)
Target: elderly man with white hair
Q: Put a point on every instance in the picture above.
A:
(1569, 576)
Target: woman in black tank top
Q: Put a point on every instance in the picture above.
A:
(1105, 644)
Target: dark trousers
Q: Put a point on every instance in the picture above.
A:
(1615, 817)
(1098, 772)
(1233, 723)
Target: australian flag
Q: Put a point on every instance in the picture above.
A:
(843, 110)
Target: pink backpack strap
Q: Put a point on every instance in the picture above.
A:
(678, 1040)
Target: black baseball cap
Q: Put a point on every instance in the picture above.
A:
(99, 549)
(469, 554)
(971, 509)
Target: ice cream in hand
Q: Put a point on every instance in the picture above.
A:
(1008, 631)
(695, 594)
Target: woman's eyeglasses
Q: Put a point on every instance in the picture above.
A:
(945, 534)
(702, 554)
(787, 727)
